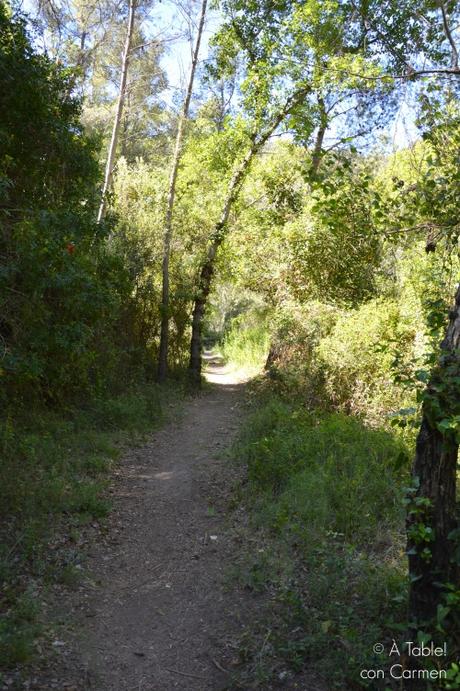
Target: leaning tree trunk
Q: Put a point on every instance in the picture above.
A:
(219, 234)
(207, 270)
(322, 128)
(164, 335)
(119, 112)
(432, 504)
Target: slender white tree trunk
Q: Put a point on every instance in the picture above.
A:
(168, 230)
(119, 112)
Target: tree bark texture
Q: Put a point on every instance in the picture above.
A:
(434, 474)
(322, 128)
(220, 230)
(168, 231)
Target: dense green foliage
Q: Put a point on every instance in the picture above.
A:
(61, 289)
(351, 351)
(333, 269)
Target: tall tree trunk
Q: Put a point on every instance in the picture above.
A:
(317, 153)
(167, 237)
(207, 270)
(434, 473)
(219, 233)
(119, 112)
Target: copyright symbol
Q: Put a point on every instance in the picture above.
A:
(378, 648)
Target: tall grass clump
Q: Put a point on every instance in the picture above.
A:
(326, 501)
(246, 343)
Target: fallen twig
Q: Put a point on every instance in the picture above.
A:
(219, 666)
(133, 586)
(184, 674)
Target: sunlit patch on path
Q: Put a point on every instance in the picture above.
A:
(216, 371)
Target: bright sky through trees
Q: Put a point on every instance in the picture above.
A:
(175, 23)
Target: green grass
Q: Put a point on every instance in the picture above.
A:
(325, 495)
(246, 346)
(53, 478)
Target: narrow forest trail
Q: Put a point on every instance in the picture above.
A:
(157, 616)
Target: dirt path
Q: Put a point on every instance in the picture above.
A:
(157, 616)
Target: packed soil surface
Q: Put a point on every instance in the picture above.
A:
(153, 612)
(158, 617)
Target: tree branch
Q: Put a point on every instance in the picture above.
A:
(450, 38)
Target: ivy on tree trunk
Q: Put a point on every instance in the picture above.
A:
(432, 510)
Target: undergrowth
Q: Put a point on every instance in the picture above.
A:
(246, 344)
(325, 493)
(53, 482)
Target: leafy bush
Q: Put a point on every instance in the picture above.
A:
(352, 361)
(358, 356)
(71, 323)
(335, 248)
(296, 332)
